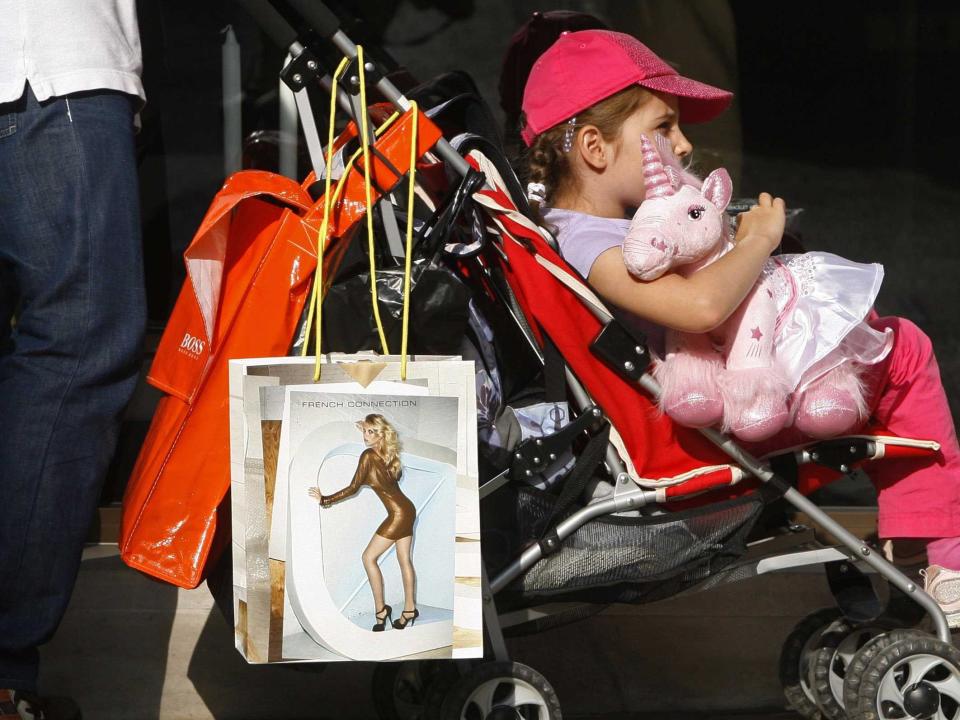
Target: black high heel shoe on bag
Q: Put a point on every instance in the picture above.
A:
(387, 613)
(407, 617)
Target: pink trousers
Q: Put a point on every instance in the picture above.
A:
(916, 499)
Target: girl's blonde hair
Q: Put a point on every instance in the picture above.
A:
(548, 164)
(388, 443)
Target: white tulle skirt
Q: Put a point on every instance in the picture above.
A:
(823, 301)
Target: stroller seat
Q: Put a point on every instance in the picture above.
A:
(699, 492)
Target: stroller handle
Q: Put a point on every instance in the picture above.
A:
(271, 21)
(324, 22)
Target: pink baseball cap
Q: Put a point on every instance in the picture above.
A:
(585, 67)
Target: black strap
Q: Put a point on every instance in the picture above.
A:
(554, 376)
(786, 472)
(573, 486)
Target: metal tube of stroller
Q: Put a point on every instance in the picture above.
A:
(865, 553)
(323, 21)
(529, 557)
(443, 148)
(273, 24)
(858, 548)
(285, 37)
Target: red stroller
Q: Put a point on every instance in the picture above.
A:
(669, 509)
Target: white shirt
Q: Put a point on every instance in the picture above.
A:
(68, 46)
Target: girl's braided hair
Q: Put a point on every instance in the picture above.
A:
(547, 163)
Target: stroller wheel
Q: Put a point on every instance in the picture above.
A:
(831, 662)
(796, 658)
(401, 690)
(438, 688)
(501, 691)
(917, 676)
(858, 666)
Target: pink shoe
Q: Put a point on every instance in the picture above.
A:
(690, 394)
(943, 585)
(755, 403)
(833, 405)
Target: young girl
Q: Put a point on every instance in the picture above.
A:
(589, 99)
(379, 467)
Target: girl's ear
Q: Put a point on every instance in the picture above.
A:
(717, 188)
(592, 147)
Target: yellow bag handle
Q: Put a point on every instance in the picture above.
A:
(316, 297)
(316, 293)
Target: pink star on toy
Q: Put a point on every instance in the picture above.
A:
(756, 334)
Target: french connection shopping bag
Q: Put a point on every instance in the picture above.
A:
(300, 592)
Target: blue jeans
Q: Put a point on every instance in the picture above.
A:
(71, 274)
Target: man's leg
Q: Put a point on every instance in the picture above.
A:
(70, 235)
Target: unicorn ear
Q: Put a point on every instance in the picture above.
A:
(718, 188)
(674, 177)
(663, 145)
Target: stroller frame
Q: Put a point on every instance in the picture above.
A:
(851, 556)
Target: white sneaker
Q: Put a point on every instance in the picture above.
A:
(943, 585)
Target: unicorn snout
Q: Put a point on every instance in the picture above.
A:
(660, 245)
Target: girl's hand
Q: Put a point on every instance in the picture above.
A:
(766, 220)
(315, 494)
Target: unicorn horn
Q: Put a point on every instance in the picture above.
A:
(655, 179)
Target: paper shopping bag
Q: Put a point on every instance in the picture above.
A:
(271, 625)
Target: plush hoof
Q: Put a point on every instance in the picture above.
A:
(690, 395)
(757, 425)
(756, 403)
(833, 405)
(696, 410)
(826, 414)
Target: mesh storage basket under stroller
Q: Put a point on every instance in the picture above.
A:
(616, 558)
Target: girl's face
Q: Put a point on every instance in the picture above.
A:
(370, 435)
(659, 114)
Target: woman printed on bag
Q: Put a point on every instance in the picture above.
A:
(379, 467)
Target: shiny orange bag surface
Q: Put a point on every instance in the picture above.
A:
(251, 252)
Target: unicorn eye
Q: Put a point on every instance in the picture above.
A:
(695, 212)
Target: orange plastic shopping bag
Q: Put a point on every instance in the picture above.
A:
(251, 252)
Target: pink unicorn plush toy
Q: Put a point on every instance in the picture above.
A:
(793, 349)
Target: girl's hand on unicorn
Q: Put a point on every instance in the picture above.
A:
(765, 220)
(315, 494)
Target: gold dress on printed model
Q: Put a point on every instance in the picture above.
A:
(372, 471)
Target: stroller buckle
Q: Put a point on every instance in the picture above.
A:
(625, 354)
(301, 71)
(841, 454)
(536, 454)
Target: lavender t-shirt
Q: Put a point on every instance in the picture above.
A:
(582, 239)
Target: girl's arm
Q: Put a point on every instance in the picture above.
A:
(359, 479)
(704, 300)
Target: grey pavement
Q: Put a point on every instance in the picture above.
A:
(130, 648)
